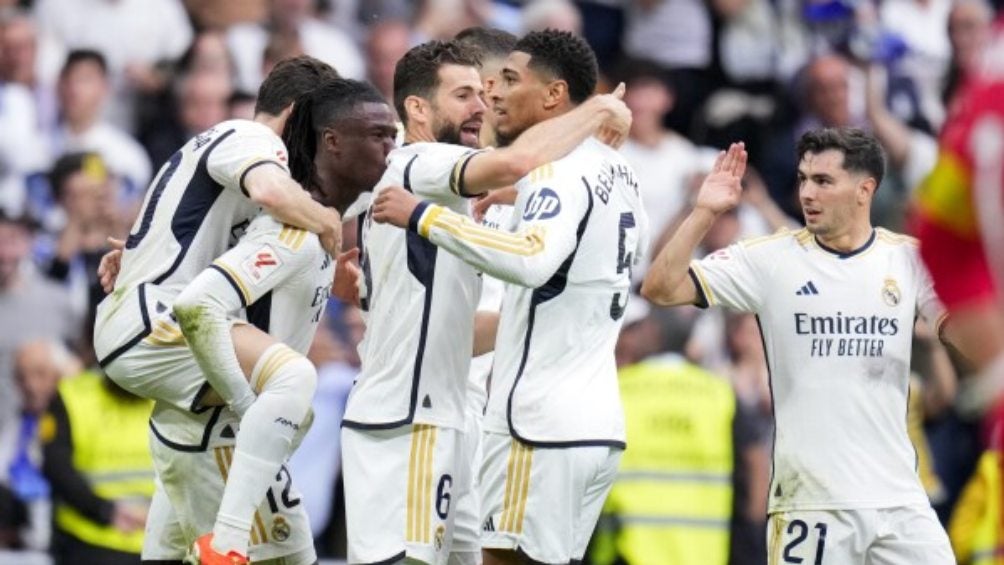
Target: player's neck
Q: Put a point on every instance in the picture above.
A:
(274, 123)
(848, 240)
(418, 133)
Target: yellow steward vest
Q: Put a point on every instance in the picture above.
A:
(975, 527)
(672, 499)
(111, 449)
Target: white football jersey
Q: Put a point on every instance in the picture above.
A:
(496, 217)
(282, 277)
(418, 305)
(194, 210)
(578, 227)
(837, 330)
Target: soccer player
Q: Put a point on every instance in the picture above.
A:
(836, 303)
(282, 276)
(554, 429)
(492, 47)
(959, 225)
(203, 197)
(407, 407)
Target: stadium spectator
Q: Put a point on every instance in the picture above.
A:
(831, 94)
(200, 101)
(677, 35)
(388, 41)
(31, 60)
(83, 92)
(133, 35)
(291, 18)
(87, 203)
(39, 365)
(968, 31)
(562, 15)
(30, 306)
(22, 148)
(97, 459)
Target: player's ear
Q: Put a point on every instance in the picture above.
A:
(555, 94)
(417, 109)
(866, 189)
(330, 139)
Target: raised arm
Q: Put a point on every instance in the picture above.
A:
(284, 199)
(605, 115)
(667, 282)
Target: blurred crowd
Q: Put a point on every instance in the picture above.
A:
(96, 94)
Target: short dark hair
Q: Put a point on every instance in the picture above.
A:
(417, 73)
(564, 56)
(72, 163)
(862, 152)
(78, 56)
(289, 79)
(315, 110)
(487, 42)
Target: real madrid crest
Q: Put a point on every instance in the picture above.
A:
(440, 537)
(280, 529)
(890, 292)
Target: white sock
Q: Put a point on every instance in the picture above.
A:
(285, 382)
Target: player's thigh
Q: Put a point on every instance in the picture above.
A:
(542, 502)
(820, 536)
(163, 538)
(193, 454)
(467, 523)
(911, 535)
(249, 344)
(399, 492)
(161, 370)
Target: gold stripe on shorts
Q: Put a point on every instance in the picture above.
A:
(517, 487)
(418, 527)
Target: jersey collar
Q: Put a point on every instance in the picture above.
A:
(847, 254)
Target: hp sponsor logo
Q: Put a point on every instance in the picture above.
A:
(543, 205)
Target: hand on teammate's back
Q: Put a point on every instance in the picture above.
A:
(394, 206)
(722, 188)
(331, 237)
(111, 262)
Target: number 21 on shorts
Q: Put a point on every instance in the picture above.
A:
(798, 542)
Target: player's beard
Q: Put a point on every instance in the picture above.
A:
(448, 133)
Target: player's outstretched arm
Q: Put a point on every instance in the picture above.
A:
(667, 282)
(605, 115)
(528, 258)
(285, 200)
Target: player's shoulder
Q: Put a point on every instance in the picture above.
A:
(892, 238)
(782, 238)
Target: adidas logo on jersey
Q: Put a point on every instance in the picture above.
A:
(807, 289)
(489, 525)
(427, 402)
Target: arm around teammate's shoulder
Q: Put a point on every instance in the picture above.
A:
(548, 141)
(668, 281)
(284, 199)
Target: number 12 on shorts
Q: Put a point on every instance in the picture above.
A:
(800, 530)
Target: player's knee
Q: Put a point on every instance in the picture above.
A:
(284, 371)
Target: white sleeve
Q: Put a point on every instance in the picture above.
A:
(546, 234)
(241, 151)
(437, 173)
(728, 277)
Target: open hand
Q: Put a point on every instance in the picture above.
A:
(394, 205)
(722, 188)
